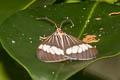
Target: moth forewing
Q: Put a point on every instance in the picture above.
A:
(51, 51)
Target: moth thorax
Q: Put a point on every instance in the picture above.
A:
(59, 32)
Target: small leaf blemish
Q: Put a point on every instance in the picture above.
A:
(98, 18)
(82, 16)
(84, 8)
(13, 41)
(88, 20)
(30, 41)
(45, 6)
(101, 29)
(99, 35)
(53, 72)
(23, 34)
(30, 38)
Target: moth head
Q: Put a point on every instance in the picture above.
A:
(59, 32)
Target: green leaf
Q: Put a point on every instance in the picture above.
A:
(40, 3)
(104, 69)
(9, 68)
(20, 34)
(9, 7)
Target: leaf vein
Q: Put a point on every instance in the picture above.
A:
(88, 18)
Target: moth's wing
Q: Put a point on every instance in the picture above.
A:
(57, 54)
(78, 50)
(47, 57)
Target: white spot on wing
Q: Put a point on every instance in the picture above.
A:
(56, 50)
(80, 50)
(45, 47)
(81, 47)
(40, 47)
(48, 50)
(84, 46)
(75, 49)
(68, 51)
(52, 51)
(61, 51)
(89, 46)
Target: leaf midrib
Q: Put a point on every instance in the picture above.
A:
(88, 18)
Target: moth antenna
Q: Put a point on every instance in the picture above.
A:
(66, 21)
(49, 20)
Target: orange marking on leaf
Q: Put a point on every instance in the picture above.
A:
(114, 13)
(90, 39)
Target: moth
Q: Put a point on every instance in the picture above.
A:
(61, 46)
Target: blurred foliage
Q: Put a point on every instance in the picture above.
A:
(10, 69)
(3, 75)
(9, 7)
(73, 1)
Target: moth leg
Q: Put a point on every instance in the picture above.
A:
(42, 38)
(90, 39)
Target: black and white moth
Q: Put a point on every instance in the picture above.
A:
(61, 47)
